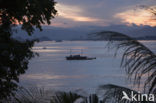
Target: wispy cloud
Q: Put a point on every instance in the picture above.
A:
(74, 13)
(138, 17)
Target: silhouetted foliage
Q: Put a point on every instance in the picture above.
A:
(151, 9)
(15, 55)
(71, 97)
(114, 94)
(105, 94)
(28, 13)
(64, 97)
(138, 61)
(31, 95)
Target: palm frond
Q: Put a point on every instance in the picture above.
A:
(32, 95)
(138, 60)
(64, 97)
(71, 97)
(114, 94)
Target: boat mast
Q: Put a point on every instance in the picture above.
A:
(81, 52)
(70, 51)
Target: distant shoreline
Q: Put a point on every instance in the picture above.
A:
(93, 40)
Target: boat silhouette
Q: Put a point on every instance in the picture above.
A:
(78, 57)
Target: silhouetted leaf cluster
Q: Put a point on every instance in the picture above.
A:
(28, 13)
(64, 97)
(15, 55)
(113, 94)
(138, 60)
(14, 59)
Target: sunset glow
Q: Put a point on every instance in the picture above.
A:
(73, 13)
(138, 17)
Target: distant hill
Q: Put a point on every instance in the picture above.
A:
(146, 38)
(81, 33)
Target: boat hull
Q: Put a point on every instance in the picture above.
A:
(79, 58)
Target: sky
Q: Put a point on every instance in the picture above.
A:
(77, 13)
(78, 18)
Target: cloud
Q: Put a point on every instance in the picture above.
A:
(138, 17)
(74, 13)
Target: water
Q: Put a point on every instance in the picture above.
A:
(52, 71)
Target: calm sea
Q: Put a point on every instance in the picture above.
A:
(52, 71)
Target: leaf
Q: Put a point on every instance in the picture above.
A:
(138, 60)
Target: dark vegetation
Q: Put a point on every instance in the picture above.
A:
(15, 55)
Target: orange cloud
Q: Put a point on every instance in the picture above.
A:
(73, 13)
(138, 17)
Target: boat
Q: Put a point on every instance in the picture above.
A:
(44, 48)
(78, 57)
